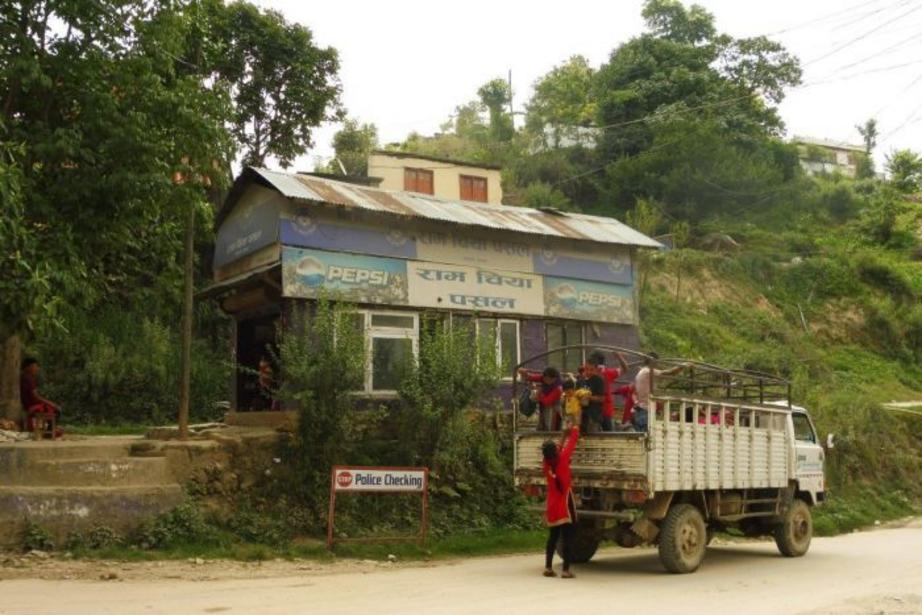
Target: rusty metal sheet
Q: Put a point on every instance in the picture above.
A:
(465, 213)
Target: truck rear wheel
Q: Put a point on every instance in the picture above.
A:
(794, 532)
(683, 539)
(586, 539)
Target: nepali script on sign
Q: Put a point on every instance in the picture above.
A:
(471, 288)
(379, 479)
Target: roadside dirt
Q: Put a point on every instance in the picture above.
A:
(58, 567)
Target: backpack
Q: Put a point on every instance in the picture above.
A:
(527, 405)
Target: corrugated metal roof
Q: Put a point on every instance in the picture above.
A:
(501, 217)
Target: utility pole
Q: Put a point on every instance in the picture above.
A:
(511, 107)
(185, 360)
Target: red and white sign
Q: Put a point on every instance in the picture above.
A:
(379, 479)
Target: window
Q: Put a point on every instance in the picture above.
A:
(418, 180)
(503, 337)
(391, 341)
(473, 188)
(565, 334)
(803, 430)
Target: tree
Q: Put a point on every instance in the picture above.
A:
(106, 111)
(282, 84)
(495, 96)
(352, 144)
(681, 66)
(905, 169)
(562, 102)
(869, 133)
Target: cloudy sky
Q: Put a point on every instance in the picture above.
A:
(406, 64)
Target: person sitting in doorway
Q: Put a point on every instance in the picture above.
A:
(267, 385)
(548, 397)
(33, 404)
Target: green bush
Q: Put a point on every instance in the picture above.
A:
(99, 537)
(322, 357)
(184, 524)
(114, 366)
(36, 538)
(884, 276)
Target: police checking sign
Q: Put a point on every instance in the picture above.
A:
(363, 480)
(383, 479)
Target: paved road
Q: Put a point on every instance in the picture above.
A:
(871, 572)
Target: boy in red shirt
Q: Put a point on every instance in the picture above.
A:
(548, 396)
(609, 376)
(560, 509)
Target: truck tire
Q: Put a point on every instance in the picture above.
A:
(586, 541)
(794, 532)
(682, 539)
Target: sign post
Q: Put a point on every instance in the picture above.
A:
(380, 480)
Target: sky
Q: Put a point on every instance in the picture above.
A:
(406, 64)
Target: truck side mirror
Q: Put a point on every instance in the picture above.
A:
(830, 441)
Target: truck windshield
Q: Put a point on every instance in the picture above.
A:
(803, 430)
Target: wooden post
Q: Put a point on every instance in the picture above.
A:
(185, 360)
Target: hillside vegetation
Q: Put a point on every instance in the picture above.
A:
(833, 310)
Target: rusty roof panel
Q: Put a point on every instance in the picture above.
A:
(466, 213)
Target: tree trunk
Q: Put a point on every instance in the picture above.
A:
(10, 357)
(185, 361)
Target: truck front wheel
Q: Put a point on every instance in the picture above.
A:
(794, 532)
(683, 539)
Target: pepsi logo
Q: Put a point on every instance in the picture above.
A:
(344, 479)
(311, 271)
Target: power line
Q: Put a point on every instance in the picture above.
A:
(913, 37)
(822, 18)
(864, 16)
(861, 37)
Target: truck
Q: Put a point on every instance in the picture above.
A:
(723, 449)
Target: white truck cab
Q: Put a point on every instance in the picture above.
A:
(809, 456)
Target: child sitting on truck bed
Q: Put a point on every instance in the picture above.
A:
(574, 399)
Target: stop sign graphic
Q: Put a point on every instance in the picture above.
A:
(344, 479)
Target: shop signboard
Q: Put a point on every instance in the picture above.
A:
(252, 225)
(457, 287)
(588, 301)
(309, 274)
(351, 277)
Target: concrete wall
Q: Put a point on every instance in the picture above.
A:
(446, 176)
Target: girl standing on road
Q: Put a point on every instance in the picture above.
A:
(560, 512)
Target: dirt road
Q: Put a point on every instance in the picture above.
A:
(869, 572)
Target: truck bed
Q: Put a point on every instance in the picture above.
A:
(748, 448)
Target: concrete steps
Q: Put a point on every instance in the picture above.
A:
(62, 510)
(76, 485)
(112, 472)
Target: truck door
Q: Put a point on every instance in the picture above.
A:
(809, 456)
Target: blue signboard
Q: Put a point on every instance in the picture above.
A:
(615, 269)
(304, 231)
(589, 301)
(351, 277)
(249, 227)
